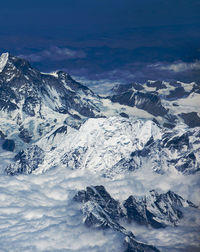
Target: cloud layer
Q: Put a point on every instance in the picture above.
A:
(178, 66)
(38, 214)
(54, 53)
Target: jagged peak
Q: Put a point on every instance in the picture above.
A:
(4, 54)
(3, 60)
(14, 62)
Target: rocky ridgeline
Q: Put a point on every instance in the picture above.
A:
(156, 210)
(50, 120)
(154, 97)
(112, 146)
(32, 103)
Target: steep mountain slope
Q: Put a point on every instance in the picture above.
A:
(100, 210)
(153, 209)
(32, 103)
(142, 141)
(113, 146)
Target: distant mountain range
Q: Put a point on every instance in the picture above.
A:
(49, 120)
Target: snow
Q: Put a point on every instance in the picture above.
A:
(193, 101)
(185, 105)
(111, 109)
(102, 143)
(37, 212)
(55, 73)
(187, 86)
(3, 61)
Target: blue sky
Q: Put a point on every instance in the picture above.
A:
(117, 40)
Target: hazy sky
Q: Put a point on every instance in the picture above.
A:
(99, 39)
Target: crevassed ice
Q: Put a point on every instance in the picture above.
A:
(3, 61)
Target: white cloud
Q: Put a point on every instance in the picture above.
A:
(38, 214)
(178, 66)
(55, 53)
(101, 87)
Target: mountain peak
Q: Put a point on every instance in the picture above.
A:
(3, 60)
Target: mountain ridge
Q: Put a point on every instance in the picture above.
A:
(55, 132)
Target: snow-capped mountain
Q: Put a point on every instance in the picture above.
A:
(145, 137)
(156, 210)
(34, 103)
(113, 146)
(172, 101)
(100, 210)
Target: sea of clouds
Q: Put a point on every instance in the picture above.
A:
(37, 212)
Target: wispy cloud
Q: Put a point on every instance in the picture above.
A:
(54, 53)
(178, 66)
(101, 87)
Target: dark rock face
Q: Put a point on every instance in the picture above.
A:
(8, 145)
(99, 195)
(191, 119)
(135, 246)
(100, 210)
(146, 101)
(30, 105)
(136, 211)
(169, 125)
(25, 135)
(177, 142)
(161, 153)
(124, 115)
(6, 96)
(32, 88)
(2, 135)
(118, 89)
(156, 210)
(26, 161)
(157, 84)
(150, 103)
(60, 130)
(177, 93)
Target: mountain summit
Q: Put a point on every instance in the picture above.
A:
(3, 60)
(132, 127)
(35, 101)
(58, 137)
